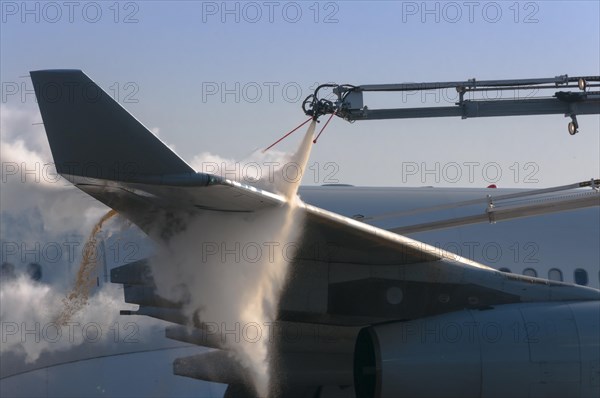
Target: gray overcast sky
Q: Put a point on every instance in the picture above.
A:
(228, 78)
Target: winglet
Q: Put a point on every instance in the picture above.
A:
(91, 135)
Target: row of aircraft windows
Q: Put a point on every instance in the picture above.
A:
(580, 276)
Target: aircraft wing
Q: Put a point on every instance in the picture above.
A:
(107, 153)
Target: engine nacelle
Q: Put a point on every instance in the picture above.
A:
(515, 350)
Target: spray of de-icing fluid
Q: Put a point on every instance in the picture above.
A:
(78, 297)
(229, 269)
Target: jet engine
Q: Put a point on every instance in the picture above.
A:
(515, 350)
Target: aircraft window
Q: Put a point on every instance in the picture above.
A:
(555, 275)
(581, 276)
(504, 269)
(530, 272)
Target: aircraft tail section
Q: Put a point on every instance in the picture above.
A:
(91, 135)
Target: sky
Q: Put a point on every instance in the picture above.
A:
(227, 78)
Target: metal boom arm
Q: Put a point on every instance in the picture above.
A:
(349, 104)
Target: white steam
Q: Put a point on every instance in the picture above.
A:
(271, 170)
(45, 220)
(29, 311)
(37, 205)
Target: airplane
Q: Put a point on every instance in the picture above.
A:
(366, 310)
